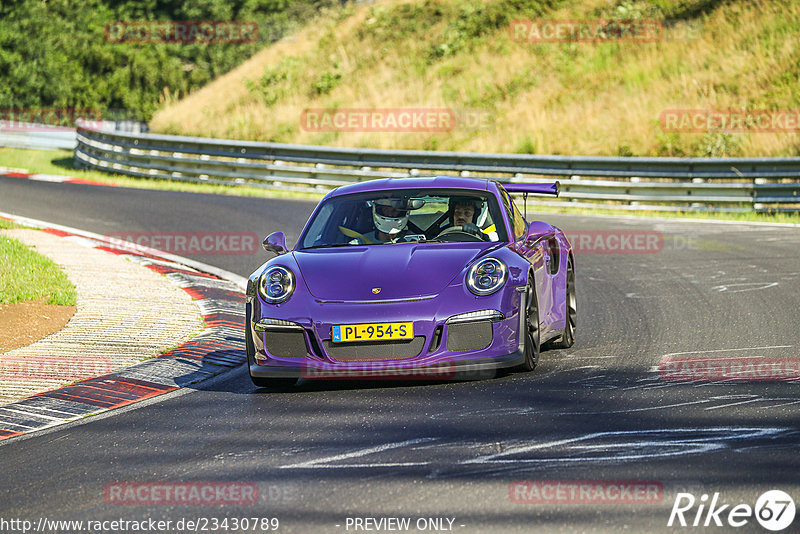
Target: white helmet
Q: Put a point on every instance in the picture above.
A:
(388, 215)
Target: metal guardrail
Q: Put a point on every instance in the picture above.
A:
(49, 137)
(41, 140)
(718, 184)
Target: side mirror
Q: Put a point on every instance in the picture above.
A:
(275, 242)
(538, 230)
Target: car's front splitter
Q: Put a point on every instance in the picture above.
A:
(390, 370)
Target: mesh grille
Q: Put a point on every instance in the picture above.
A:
(469, 336)
(285, 344)
(379, 350)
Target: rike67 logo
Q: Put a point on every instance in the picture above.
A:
(774, 510)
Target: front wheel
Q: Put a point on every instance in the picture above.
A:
(531, 328)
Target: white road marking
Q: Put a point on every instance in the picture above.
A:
(781, 404)
(357, 454)
(732, 404)
(700, 442)
(649, 408)
(725, 350)
(592, 448)
(33, 414)
(752, 286)
(529, 448)
(595, 377)
(373, 465)
(49, 178)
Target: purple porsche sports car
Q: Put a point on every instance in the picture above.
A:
(411, 278)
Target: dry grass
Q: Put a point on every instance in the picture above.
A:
(579, 98)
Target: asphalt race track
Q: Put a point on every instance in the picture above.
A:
(474, 455)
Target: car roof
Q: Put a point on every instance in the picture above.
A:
(428, 182)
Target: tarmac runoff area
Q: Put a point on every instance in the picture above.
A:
(144, 325)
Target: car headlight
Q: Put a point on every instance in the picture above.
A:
(487, 276)
(276, 284)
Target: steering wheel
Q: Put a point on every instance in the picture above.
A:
(457, 233)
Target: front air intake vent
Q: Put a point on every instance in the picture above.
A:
(469, 336)
(285, 344)
(379, 350)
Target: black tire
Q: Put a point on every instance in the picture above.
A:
(567, 338)
(532, 347)
(273, 383)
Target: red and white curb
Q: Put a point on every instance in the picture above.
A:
(218, 348)
(38, 177)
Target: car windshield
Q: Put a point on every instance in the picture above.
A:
(403, 216)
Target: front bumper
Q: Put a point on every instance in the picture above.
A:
(295, 346)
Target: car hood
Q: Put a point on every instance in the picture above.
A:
(399, 271)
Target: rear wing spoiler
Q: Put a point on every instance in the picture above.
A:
(547, 188)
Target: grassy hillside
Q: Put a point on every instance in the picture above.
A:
(550, 98)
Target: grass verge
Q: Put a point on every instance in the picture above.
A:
(27, 275)
(5, 225)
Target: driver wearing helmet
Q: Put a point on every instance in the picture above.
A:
(390, 216)
(464, 212)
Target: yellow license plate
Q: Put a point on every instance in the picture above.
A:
(342, 333)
